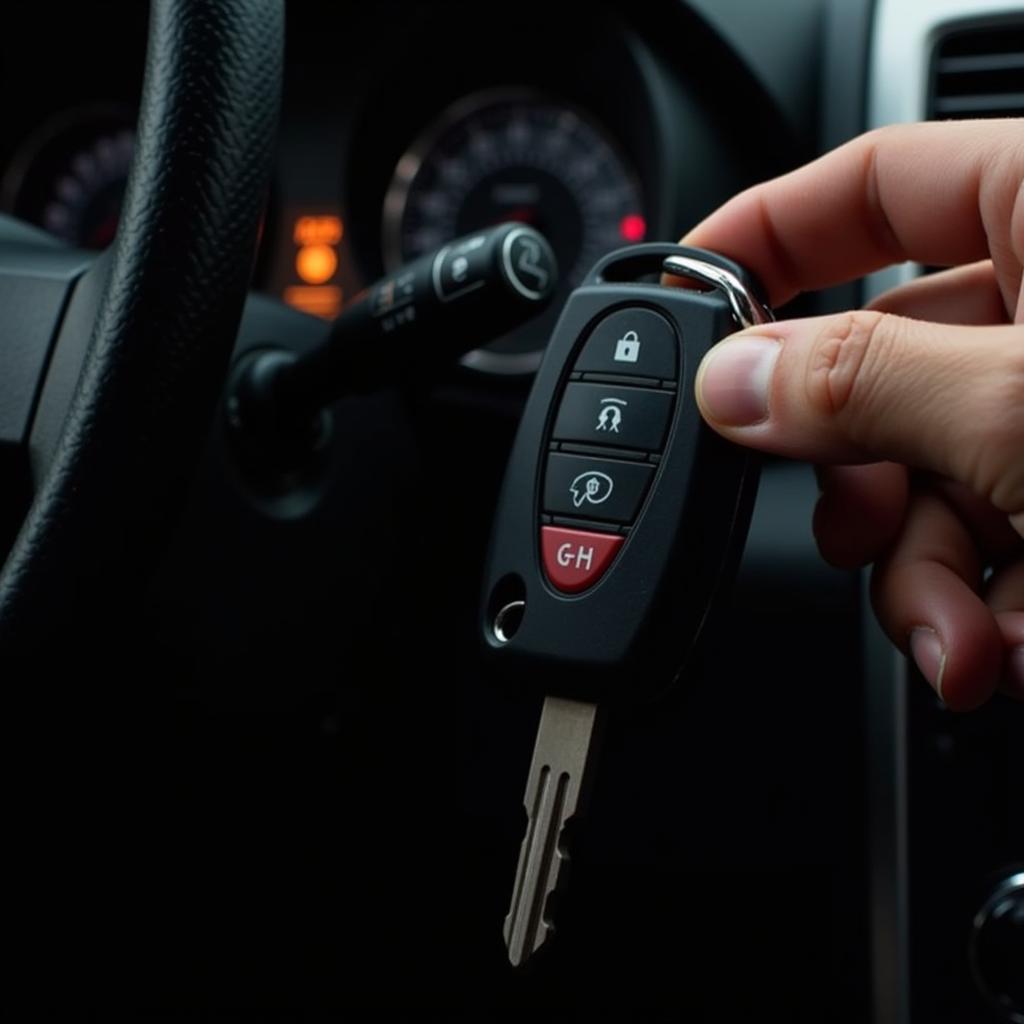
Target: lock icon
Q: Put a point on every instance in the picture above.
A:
(627, 348)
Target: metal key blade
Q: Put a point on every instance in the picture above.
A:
(553, 789)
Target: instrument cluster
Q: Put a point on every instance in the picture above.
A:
(399, 132)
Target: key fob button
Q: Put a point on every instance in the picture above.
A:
(576, 559)
(633, 343)
(608, 414)
(590, 488)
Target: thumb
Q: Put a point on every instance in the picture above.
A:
(870, 387)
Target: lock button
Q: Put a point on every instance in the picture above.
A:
(627, 348)
(632, 343)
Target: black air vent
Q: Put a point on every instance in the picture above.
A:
(979, 72)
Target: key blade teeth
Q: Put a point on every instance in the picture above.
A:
(519, 914)
(552, 795)
(541, 859)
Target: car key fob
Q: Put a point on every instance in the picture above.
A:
(621, 518)
(622, 514)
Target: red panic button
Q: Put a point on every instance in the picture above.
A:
(576, 559)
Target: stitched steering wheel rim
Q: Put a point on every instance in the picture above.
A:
(171, 289)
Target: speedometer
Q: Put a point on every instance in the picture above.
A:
(514, 156)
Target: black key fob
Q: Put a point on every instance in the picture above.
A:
(622, 515)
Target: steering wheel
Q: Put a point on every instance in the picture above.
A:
(110, 370)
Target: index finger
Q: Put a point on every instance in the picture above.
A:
(939, 193)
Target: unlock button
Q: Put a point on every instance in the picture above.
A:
(631, 342)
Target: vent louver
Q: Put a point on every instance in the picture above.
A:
(979, 72)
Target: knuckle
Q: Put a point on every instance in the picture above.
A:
(1000, 429)
(844, 360)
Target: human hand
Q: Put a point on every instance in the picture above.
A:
(914, 408)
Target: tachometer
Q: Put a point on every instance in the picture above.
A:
(514, 156)
(70, 176)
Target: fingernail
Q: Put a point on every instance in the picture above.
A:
(734, 379)
(929, 656)
(1015, 671)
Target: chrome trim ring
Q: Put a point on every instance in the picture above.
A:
(1004, 891)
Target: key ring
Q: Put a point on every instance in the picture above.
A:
(747, 310)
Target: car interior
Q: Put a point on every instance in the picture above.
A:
(262, 757)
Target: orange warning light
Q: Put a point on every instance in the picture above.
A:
(316, 264)
(322, 300)
(321, 230)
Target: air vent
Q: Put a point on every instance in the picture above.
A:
(979, 72)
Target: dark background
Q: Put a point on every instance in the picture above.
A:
(283, 776)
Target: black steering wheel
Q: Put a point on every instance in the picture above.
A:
(111, 369)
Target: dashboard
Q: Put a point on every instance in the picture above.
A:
(767, 849)
(401, 130)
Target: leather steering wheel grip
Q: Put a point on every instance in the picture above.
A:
(175, 283)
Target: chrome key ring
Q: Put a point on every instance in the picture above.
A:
(747, 309)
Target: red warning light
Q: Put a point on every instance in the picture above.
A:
(633, 227)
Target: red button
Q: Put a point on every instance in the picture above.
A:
(576, 559)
